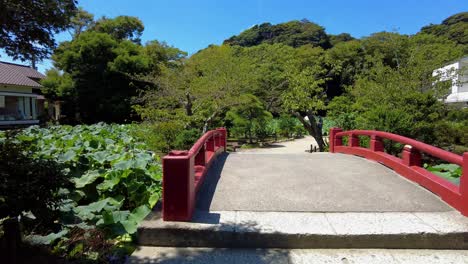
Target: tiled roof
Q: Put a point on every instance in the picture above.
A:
(21, 75)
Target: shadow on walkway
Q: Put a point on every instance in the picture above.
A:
(217, 255)
(206, 192)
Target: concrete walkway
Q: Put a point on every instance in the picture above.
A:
(296, 146)
(284, 205)
(317, 182)
(295, 256)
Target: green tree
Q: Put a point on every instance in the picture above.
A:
(27, 185)
(103, 67)
(397, 94)
(249, 115)
(200, 89)
(27, 28)
(293, 33)
(306, 95)
(120, 28)
(271, 62)
(80, 21)
(343, 37)
(454, 28)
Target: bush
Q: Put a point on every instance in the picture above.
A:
(186, 138)
(27, 186)
(162, 137)
(115, 180)
(287, 126)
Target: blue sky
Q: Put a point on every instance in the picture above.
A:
(193, 25)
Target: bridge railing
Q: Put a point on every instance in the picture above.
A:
(409, 165)
(184, 172)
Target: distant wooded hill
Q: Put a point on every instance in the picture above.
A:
(298, 33)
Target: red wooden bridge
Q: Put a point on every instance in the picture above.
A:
(288, 206)
(185, 171)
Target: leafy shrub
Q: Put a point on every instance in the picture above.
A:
(158, 136)
(27, 186)
(287, 125)
(116, 181)
(186, 138)
(162, 137)
(327, 124)
(451, 172)
(299, 130)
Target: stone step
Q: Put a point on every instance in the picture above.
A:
(171, 255)
(242, 229)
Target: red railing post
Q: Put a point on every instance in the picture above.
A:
(353, 140)
(376, 143)
(411, 156)
(464, 185)
(210, 144)
(223, 137)
(334, 140)
(200, 158)
(216, 140)
(178, 186)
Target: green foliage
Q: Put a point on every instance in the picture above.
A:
(343, 37)
(293, 33)
(454, 28)
(116, 180)
(80, 21)
(397, 93)
(186, 138)
(121, 27)
(327, 124)
(27, 28)
(287, 125)
(29, 184)
(100, 68)
(58, 85)
(196, 92)
(451, 172)
(250, 118)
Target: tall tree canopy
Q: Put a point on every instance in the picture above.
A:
(293, 33)
(99, 70)
(454, 27)
(27, 28)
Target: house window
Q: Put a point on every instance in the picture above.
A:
(2, 101)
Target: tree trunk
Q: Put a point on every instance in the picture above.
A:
(313, 129)
(208, 121)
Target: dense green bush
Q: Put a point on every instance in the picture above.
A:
(186, 138)
(249, 119)
(162, 137)
(115, 180)
(287, 126)
(29, 192)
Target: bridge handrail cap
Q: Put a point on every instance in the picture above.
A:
(178, 153)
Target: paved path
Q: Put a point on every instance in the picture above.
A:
(300, 145)
(170, 255)
(318, 182)
(318, 208)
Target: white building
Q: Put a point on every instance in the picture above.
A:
(457, 74)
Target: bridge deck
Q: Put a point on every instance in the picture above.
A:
(320, 182)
